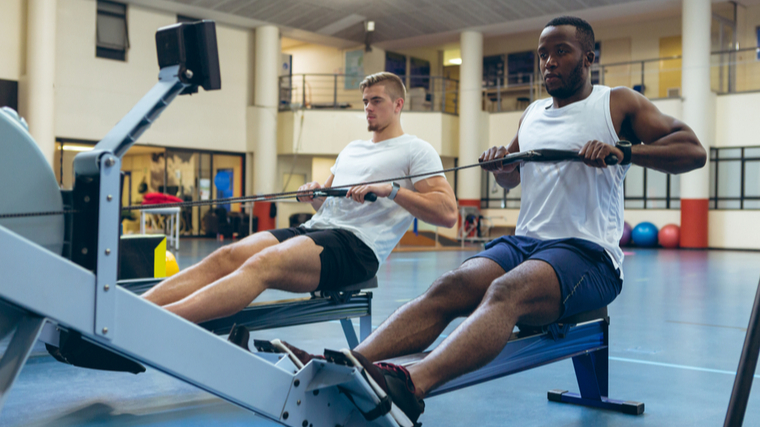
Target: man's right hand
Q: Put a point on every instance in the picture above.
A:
(497, 168)
(308, 187)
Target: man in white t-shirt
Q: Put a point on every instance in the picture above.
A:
(347, 239)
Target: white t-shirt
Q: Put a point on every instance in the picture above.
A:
(569, 199)
(381, 224)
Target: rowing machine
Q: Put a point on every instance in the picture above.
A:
(40, 287)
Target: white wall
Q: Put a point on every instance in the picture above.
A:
(12, 39)
(92, 94)
(503, 127)
(314, 58)
(734, 229)
(327, 132)
(735, 119)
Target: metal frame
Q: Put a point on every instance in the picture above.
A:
(745, 372)
(292, 312)
(586, 343)
(31, 298)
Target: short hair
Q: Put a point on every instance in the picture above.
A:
(583, 31)
(394, 87)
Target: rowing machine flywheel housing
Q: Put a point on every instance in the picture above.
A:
(28, 185)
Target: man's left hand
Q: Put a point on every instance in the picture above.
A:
(357, 193)
(594, 153)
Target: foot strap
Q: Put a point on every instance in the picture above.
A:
(378, 411)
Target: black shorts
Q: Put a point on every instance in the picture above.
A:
(346, 260)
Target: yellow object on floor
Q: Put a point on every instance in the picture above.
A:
(172, 267)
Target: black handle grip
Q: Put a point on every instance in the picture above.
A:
(551, 155)
(370, 197)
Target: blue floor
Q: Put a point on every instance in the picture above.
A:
(676, 334)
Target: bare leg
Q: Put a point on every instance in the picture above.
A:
(220, 263)
(417, 324)
(530, 294)
(292, 265)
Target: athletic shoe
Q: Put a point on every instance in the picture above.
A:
(239, 336)
(391, 380)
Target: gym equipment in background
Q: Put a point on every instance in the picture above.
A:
(669, 236)
(644, 235)
(625, 239)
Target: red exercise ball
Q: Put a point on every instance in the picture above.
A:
(669, 236)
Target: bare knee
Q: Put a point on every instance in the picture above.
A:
(501, 292)
(452, 294)
(267, 265)
(229, 258)
(523, 302)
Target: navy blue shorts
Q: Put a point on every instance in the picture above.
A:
(587, 276)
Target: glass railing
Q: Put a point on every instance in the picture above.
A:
(341, 91)
(513, 93)
(731, 71)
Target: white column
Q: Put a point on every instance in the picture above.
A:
(470, 82)
(266, 99)
(698, 113)
(40, 66)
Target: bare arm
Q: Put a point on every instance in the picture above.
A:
(316, 202)
(507, 176)
(433, 201)
(669, 145)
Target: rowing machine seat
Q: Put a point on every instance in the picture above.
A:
(342, 294)
(587, 316)
(560, 326)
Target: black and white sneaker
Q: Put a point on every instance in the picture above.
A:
(390, 380)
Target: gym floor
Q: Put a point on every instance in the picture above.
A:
(676, 334)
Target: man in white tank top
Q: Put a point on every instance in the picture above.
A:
(564, 258)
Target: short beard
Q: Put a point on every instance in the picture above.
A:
(571, 87)
(376, 128)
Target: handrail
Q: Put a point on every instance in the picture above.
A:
(402, 76)
(668, 58)
(341, 91)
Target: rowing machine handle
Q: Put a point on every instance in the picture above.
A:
(611, 160)
(551, 155)
(370, 197)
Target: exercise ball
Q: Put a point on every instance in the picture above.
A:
(172, 267)
(626, 239)
(644, 235)
(670, 236)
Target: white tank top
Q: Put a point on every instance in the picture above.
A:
(569, 199)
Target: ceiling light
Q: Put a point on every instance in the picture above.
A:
(370, 26)
(77, 147)
(455, 61)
